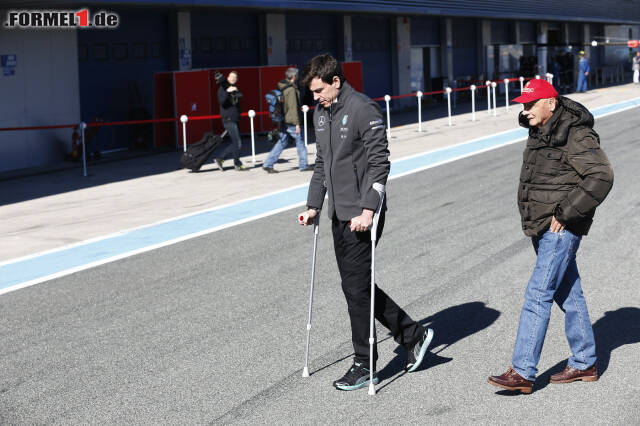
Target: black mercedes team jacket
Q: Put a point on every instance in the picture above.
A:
(564, 173)
(352, 154)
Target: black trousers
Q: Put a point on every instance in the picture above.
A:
(353, 253)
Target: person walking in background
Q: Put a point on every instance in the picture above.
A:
(565, 175)
(583, 72)
(291, 124)
(635, 67)
(229, 98)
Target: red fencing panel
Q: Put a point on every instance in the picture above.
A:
(353, 73)
(192, 94)
(248, 84)
(164, 134)
(269, 78)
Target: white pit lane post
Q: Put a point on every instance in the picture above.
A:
(521, 84)
(488, 84)
(380, 189)
(183, 120)
(506, 93)
(83, 130)
(252, 114)
(495, 105)
(305, 110)
(473, 102)
(448, 90)
(316, 224)
(419, 96)
(387, 99)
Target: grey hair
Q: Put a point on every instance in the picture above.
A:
(290, 72)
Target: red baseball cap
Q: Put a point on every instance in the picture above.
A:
(536, 89)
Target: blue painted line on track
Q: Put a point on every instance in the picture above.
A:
(30, 269)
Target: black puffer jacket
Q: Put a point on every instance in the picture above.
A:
(564, 173)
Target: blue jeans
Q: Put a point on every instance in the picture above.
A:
(234, 146)
(282, 144)
(582, 83)
(555, 277)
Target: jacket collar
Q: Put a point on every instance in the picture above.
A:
(552, 133)
(343, 95)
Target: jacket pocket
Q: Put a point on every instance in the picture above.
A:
(355, 174)
(549, 162)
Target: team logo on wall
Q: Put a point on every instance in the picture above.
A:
(61, 19)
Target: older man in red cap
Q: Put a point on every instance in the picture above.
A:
(565, 175)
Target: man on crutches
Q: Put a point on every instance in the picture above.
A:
(352, 164)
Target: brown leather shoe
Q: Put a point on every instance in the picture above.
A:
(570, 374)
(512, 381)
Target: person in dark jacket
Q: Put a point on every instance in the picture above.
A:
(565, 175)
(352, 156)
(291, 124)
(229, 99)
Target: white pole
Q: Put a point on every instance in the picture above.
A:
(495, 105)
(387, 99)
(183, 120)
(252, 114)
(448, 90)
(83, 129)
(550, 77)
(473, 102)
(488, 84)
(419, 96)
(506, 93)
(305, 110)
(521, 84)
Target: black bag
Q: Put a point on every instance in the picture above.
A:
(199, 152)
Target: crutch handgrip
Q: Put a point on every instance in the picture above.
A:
(380, 189)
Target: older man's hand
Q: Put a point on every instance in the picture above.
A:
(556, 226)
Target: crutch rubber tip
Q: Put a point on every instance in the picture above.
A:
(372, 389)
(305, 372)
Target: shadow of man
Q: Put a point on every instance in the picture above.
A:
(450, 326)
(614, 329)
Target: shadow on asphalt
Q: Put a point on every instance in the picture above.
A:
(450, 326)
(616, 328)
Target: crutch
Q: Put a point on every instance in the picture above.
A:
(316, 223)
(374, 228)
